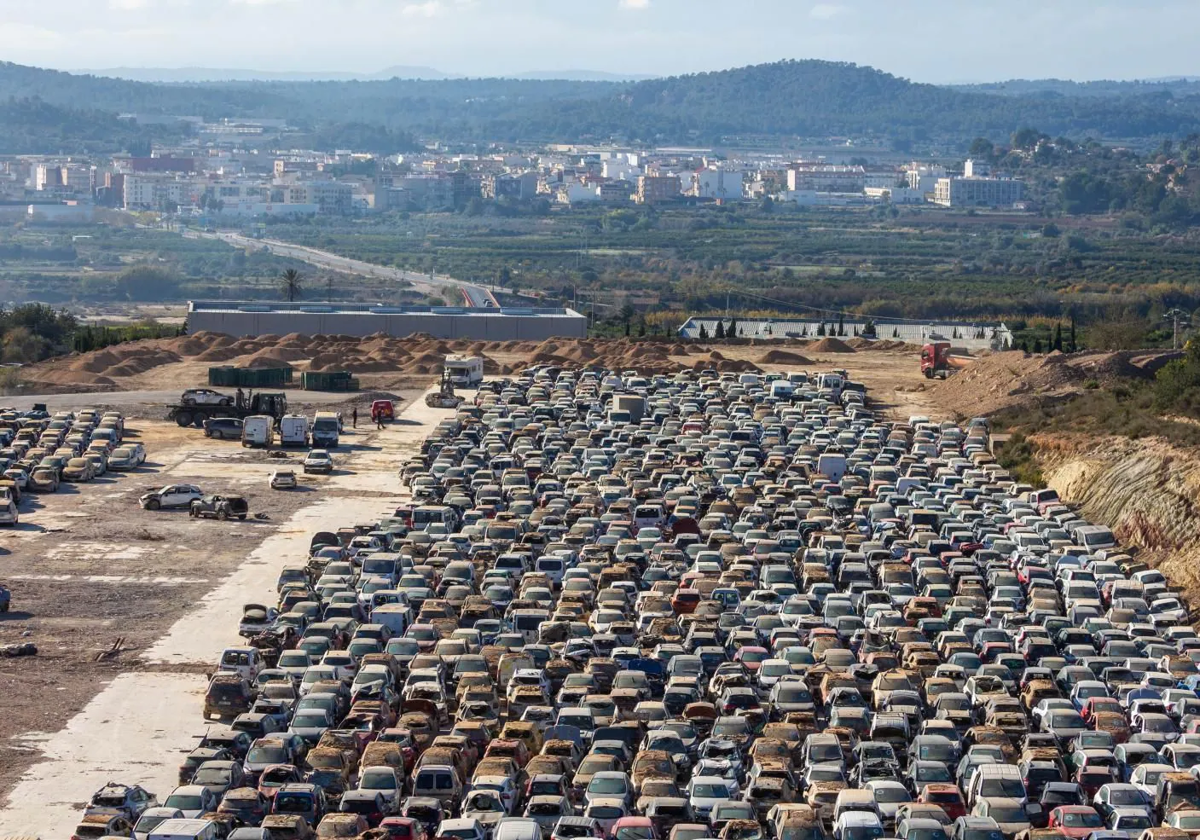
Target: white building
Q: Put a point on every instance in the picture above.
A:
(720, 184)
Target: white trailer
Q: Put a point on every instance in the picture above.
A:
(464, 371)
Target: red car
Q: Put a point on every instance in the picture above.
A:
(752, 657)
(1100, 704)
(946, 796)
(403, 828)
(1075, 820)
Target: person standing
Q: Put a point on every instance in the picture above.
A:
(354, 417)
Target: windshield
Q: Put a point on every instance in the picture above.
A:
(184, 802)
(267, 754)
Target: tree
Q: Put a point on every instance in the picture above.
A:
(732, 332)
(1058, 343)
(147, 282)
(1074, 346)
(841, 325)
(703, 333)
(1037, 345)
(504, 278)
(625, 316)
(981, 147)
(291, 285)
(720, 329)
(821, 328)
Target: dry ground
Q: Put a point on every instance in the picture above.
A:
(89, 568)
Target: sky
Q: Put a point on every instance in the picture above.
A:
(940, 41)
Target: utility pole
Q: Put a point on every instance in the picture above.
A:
(1178, 318)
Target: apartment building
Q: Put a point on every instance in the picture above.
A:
(657, 189)
(978, 192)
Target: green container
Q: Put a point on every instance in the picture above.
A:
(227, 376)
(335, 380)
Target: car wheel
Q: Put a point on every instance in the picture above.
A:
(153, 504)
(222, 515)
(226, 402)
(242, 517)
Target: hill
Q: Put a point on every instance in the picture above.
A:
(784, 99)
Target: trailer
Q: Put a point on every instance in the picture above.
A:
(272, 405)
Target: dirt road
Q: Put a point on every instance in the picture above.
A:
(173, 596)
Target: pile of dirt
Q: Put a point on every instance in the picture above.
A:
(783, 357)
(830, 345)
(1004, 380)
(415, 355)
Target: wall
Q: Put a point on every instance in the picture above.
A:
(485, 327)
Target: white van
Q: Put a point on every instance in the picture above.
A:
(395, 617)
(781, 389)
(832, 465)
(258, 430)
(517, 828)
(996, 780)
(180, 829)
(293, 430)
(325, 430)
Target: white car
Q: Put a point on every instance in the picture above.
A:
(205, 396)
(172, 496)
(283, 479)
(8, 510)
(318, 461)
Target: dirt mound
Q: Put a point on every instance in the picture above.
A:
(783, 357)
(830, 345)
(1003, 380)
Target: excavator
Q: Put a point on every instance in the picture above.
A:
(445, 396)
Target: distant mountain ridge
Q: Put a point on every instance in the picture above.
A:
(785, 99)
(207, 75)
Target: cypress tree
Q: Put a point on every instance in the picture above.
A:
(720, 329)
(1058, 345)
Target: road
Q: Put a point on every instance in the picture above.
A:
(143, 722)
(474, 295)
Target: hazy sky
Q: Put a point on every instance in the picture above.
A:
(925, 40)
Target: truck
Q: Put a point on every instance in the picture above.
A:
(293, 430)
(939, 359)
(464, 371)
(191, 413)
(627, 408)
(325, 430)
(258, 431)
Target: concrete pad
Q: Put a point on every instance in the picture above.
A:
(137, 730)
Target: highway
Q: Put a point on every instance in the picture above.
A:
(473, 295)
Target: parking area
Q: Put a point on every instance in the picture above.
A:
(89, 569)
(597, 604)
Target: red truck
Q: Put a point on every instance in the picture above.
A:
(937, 359)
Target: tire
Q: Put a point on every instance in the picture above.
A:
(242, 517)
(153, 504)
(222, 515)
(184, 418)
(226, 403)
(198, 420)
(192, 512)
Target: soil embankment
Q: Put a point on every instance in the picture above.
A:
(1146, 490)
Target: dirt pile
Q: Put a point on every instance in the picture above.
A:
(830, 345)
(1003, 380)
(783, 357)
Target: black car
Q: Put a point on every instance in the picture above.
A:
(223, 428)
